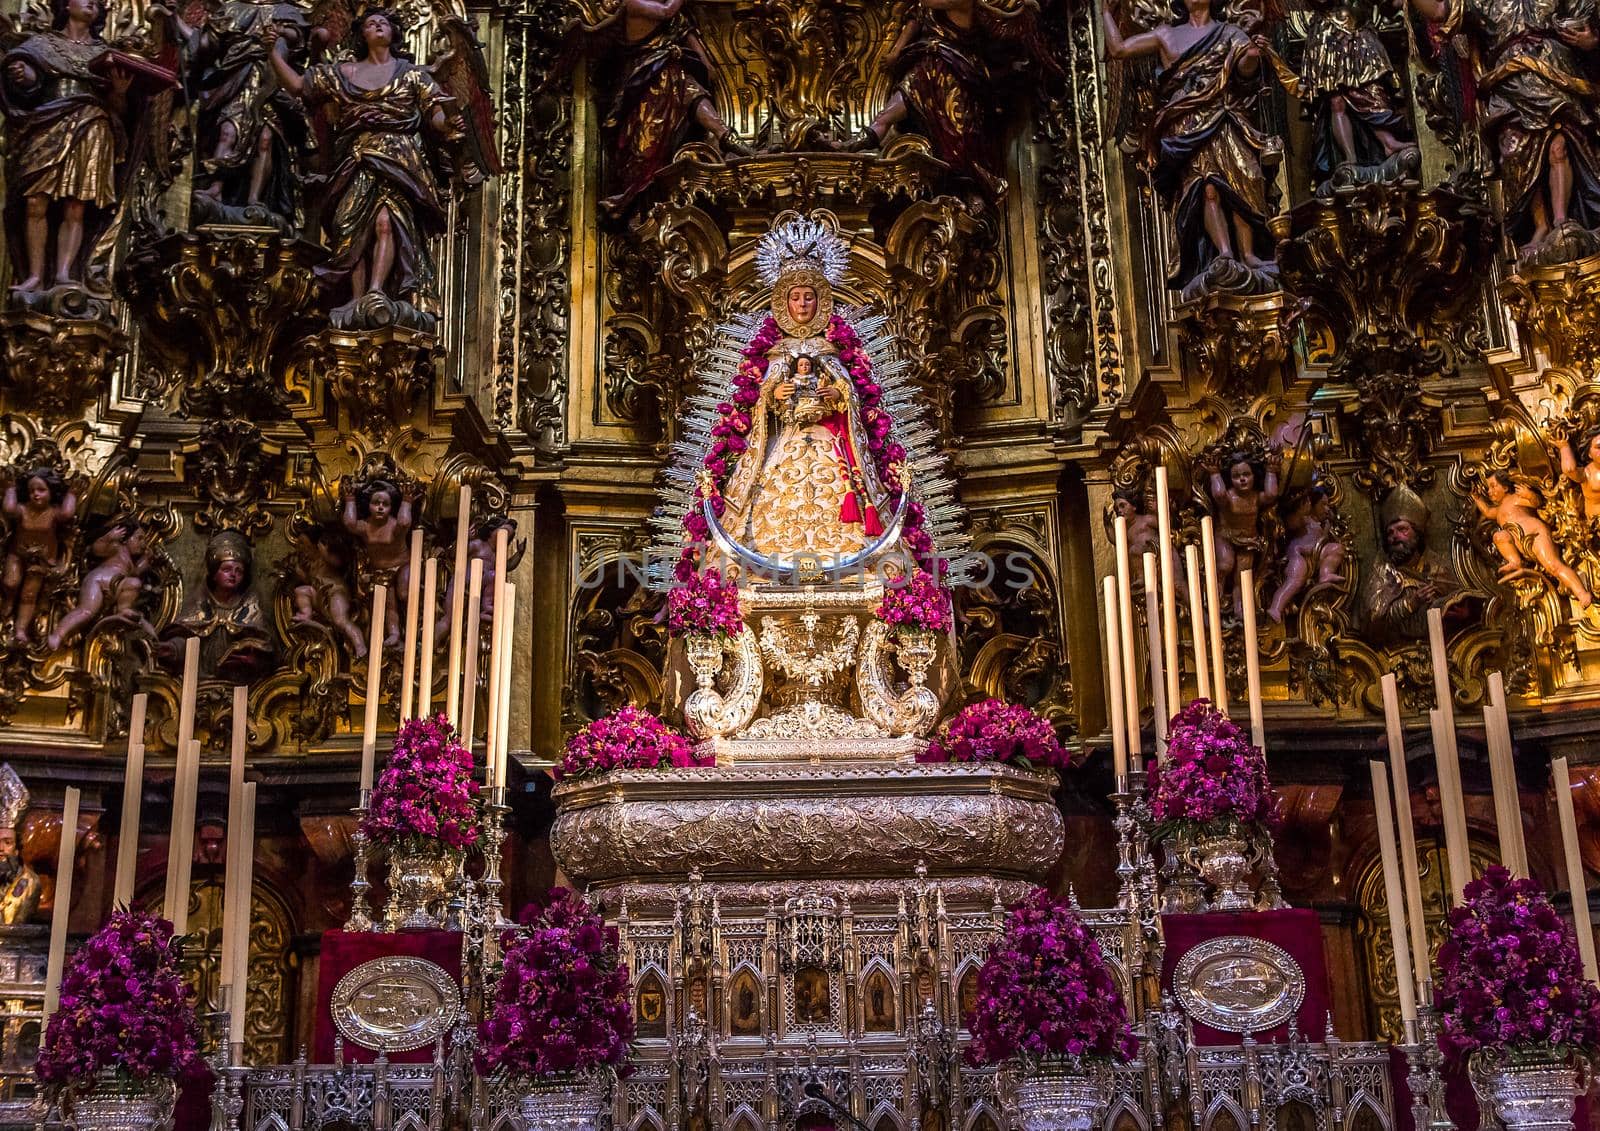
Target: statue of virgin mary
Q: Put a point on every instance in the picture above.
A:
(805, 483)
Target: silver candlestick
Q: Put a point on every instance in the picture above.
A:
(1432, 1060)
(360, 911)
(494, 839)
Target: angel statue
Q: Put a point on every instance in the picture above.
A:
(1536, 112)
(659, 76)
(1208, 159)
(391, 126)
(69, 101)
(1352, 93)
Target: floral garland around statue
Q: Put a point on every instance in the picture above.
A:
(1046, 994)
(917, 604)
(426, 791)
(561, 1008)
(733, 425)
(992, 730)
(630, 739)
(1212, 777)
(705, 604)
(1510, 979)
(126, 1019)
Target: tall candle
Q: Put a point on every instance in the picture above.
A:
(1501, 748)
(1119, 736)
(1410, 873)
(408, 661)
(1576, 883)
(1393, 896)
(508, 594)
(188, 691)
(497, 641)
(1130, 671)
(230, 875)
(1457, 859)
(178, 909)
(238, 929)
(1197, 623)
(1169, 589)
(458, 594)
(469, 680)
(1158, 682)
(62, 912)
(430, 600)
(132, 799)
(1451, 795)
(1507, 808)
(1252, 656)
(369, 722)
(1208, 550)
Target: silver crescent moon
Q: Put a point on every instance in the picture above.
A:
(777, 570)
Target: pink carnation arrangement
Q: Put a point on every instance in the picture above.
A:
(995, 731)
(124, 1009)
(426, 791)
(733, 426)
(1212, 773)
(1045, 992)
(630, 739)
(705, 604)
(562, 1005)
(1510, 978)
(918, 603)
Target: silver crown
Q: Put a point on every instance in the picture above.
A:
(799, 242)
(13, 796)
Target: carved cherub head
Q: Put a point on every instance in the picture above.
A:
(378, 500)
(125, 533)
(1587, 450)
(1244, 473)
(43, 486)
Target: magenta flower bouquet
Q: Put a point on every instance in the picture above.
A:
(996, 731)
(1045, 992)
(1510, 978)
(705, 604)
(426, 791)
(562, 1005)
(630, 739)
(124, 1009)
(918, 604)
(1212, 774)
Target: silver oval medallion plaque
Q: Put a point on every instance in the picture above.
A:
(395, 1004)
(1238, 984)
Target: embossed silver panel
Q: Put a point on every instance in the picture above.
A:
(1238, 984)
(395, 1004)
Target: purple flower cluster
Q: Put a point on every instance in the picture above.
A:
(1046, 993)
(1212, 772)
(705, 604)
(124, 1008)
(995, 731)
(562, 1003)
(1510, 977)
(426, 789)
(733, 426)
(919, 603)
(630, 739)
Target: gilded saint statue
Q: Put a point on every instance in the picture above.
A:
(1536, 110)
(19, 898)
(235, 641)
(1409, 579)
(805, 482)
(1209, 159)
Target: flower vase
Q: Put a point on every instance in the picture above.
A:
(558, 1103)
(119, 1104)
(704, 652)
(1223, 860)
(916, 649)
(1534, 1095)
(1059, 1096)
(419, 883)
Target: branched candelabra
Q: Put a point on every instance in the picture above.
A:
(360, 910)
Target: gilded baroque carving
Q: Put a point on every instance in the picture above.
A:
(54, 366)
(236, 470)
(376, 377)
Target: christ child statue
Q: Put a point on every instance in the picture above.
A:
(1239, 500)
(379, 516)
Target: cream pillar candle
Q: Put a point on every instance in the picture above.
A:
(1577, 884)
(369, 723)
(1410, 872)
(1158, 682)
(458, 592)
(430, 613)
(1119, 737)
(238, 928)
(1501, 747)
(1219, 674)
(408, 661)
(62, 913)
(186, 707)
(132, 800)
(496, 643)
(1197, 624)
(230, 873)
(1252, 657)
(1130, 669)
(1452, 796)
(178, 909)
(469, 678)
(1457, 859)
(508, 594)
(1398, 934)
(1507, 806)
(1169, 591)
